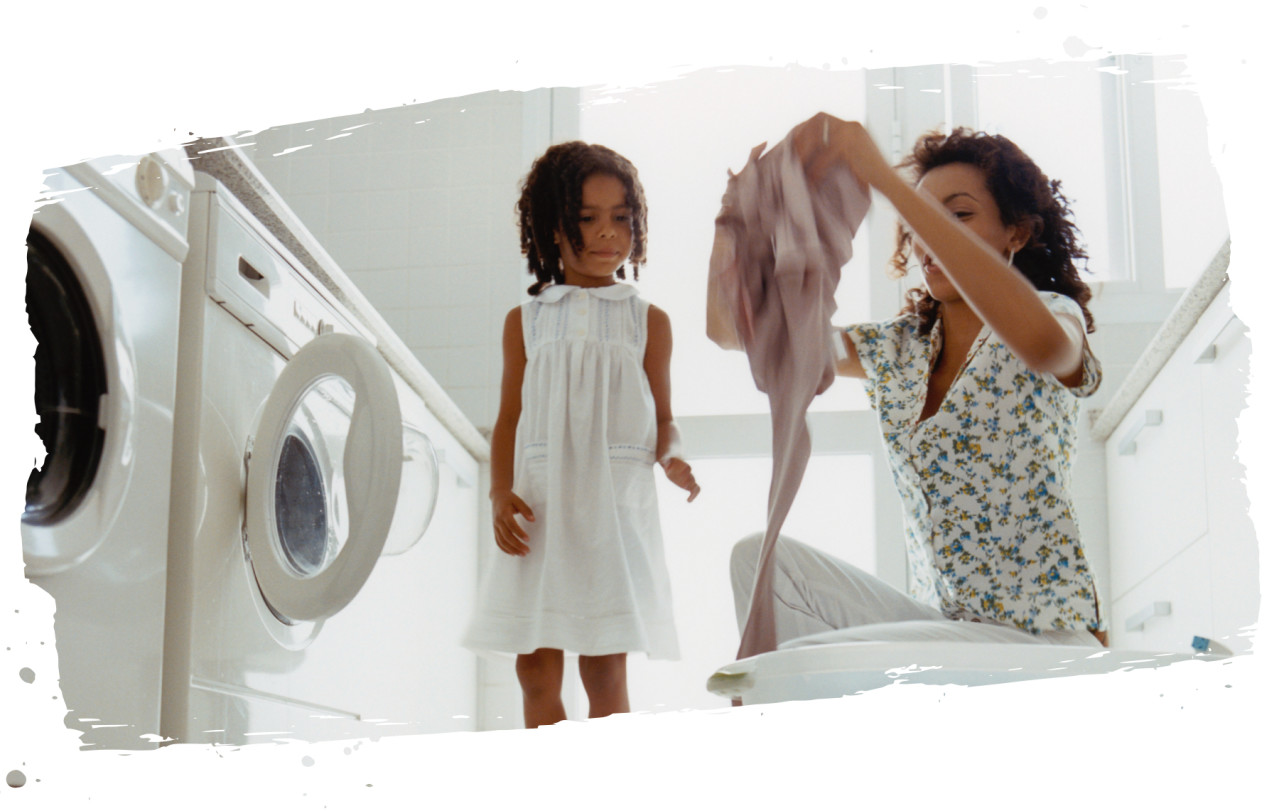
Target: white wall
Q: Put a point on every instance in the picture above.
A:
(416, 204)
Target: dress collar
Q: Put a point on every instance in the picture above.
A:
(612, 292)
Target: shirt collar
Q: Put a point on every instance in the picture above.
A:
(612, 292)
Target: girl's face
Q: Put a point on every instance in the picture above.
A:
(961, 189)
(605, 220)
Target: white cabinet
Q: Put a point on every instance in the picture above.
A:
(1236, 587)
(1181, 588)
(1155, 459)
(1183, 551)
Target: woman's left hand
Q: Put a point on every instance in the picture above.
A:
(679, 472)
(825, 141)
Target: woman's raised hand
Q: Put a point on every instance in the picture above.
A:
(825, 141)
(510, 536)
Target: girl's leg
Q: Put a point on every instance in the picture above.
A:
(604, 678)
(541, 674)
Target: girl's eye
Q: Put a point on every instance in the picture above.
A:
(586, 218)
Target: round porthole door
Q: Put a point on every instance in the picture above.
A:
(323, 477)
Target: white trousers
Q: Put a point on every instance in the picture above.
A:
(817, 593)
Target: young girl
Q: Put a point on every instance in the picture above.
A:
(976, 385)
(585, 412)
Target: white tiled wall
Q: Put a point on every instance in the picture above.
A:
(417, 205)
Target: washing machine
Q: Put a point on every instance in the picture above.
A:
(322, 517)
(104, 260)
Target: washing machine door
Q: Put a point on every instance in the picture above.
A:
(323, 477)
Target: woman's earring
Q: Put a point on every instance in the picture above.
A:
(1011, 254)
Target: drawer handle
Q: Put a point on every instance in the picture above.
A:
(1210, 352)
(1138, 621)
(1128, 445)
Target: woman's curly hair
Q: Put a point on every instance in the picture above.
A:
(1024, 196)
(551, 201)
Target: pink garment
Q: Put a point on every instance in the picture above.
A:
(779, 246)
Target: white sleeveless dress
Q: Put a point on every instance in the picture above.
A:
(595, 580)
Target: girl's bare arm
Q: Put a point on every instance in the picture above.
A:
(657, 366)
(509, 535)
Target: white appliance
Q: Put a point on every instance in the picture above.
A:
(301, 603)
(104, 265)
(822, 666)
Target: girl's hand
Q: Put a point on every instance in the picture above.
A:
(825, 141)
(510, 536)
(679, 472)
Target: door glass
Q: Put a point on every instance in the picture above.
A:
(70, 380)
(419, 489)
(311, 514)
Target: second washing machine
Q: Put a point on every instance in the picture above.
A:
(323, 520)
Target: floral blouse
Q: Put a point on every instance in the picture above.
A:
(985, 482)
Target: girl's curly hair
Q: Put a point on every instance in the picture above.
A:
(1024, 196)
(551, 201)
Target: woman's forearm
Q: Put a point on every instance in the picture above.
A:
(998, 293)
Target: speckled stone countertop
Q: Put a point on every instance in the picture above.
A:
(1184, 315)
(226, 162)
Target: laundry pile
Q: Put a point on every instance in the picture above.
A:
(779, 245)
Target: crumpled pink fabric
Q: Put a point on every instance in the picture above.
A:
(779, 246)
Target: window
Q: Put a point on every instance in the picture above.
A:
(684, 136)
(1126, 136)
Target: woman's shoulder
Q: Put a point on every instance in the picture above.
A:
(1061, 303)
(899, 329)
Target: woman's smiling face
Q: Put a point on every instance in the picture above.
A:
(961, 189)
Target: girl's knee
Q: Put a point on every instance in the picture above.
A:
(540, 671)
(603, 673)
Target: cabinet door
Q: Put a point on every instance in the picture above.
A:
(1235, 566)
(1155, 487)
(1183, 583)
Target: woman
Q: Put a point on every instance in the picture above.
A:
(975, 383)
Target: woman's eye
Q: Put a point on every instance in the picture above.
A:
(586, 218)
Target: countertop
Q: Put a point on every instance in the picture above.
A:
(1180, 321)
